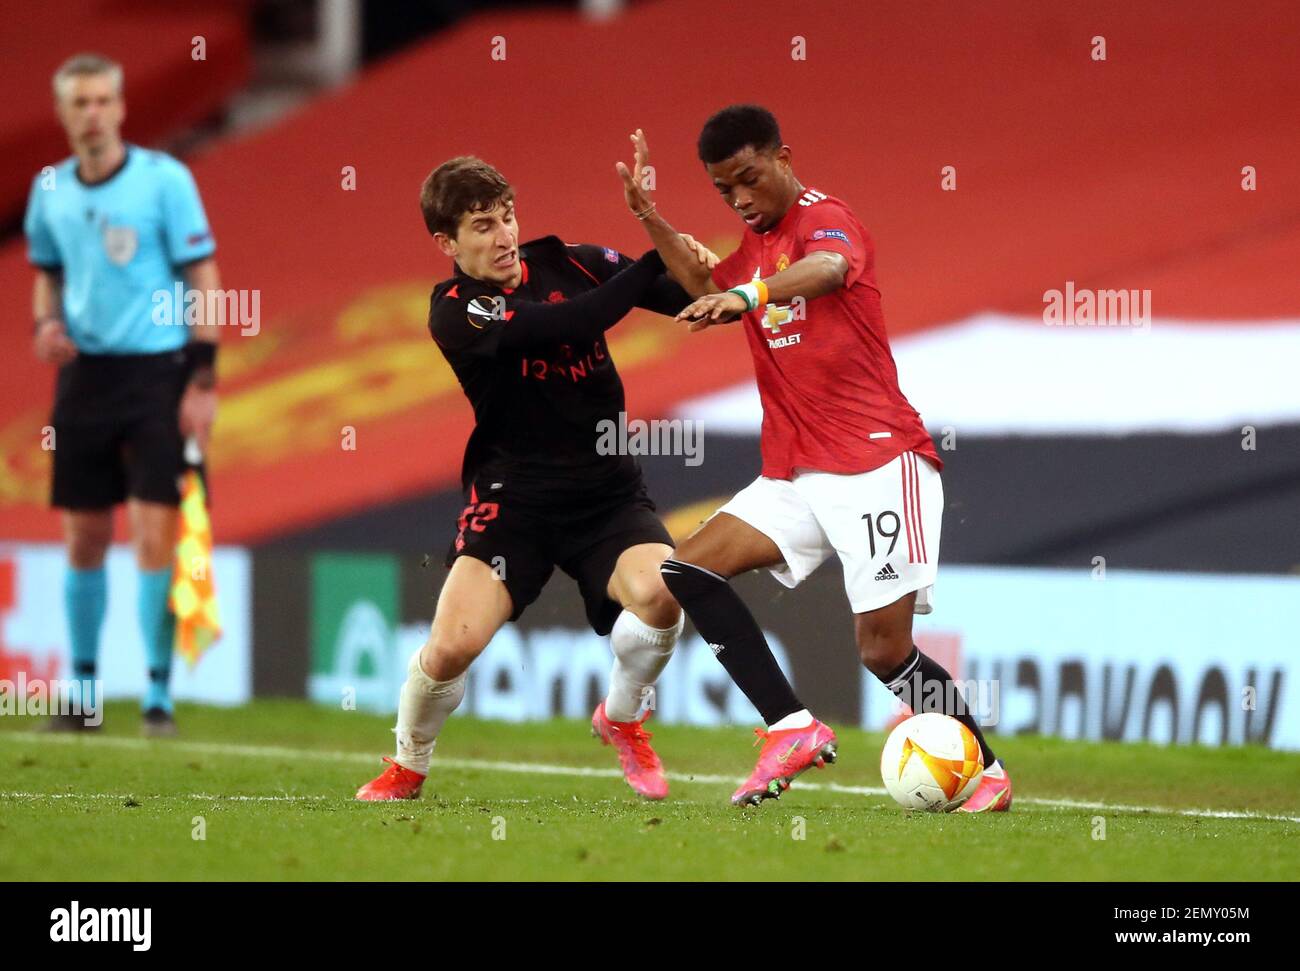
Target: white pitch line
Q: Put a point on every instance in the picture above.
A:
(200, 796)
(123, 796)
(541, 768)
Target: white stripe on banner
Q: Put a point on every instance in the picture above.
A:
(1055, 368)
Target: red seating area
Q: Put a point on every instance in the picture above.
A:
(1117, 173)
(155, 41)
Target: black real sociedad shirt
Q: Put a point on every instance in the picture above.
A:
(539, 393)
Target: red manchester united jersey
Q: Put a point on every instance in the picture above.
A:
(826, 377)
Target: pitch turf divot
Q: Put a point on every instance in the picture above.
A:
(541, 768)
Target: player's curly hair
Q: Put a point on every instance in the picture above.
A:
(457, 186)
(736, 127)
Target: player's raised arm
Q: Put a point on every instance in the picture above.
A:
(685, 262)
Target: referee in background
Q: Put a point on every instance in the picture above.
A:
(110, 232)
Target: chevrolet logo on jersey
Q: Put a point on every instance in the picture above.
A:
(774, 315)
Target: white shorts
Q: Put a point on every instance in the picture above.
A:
(884, 524)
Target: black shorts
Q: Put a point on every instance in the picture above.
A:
(524, 535)
(116, 430)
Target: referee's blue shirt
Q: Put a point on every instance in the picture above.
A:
(121, 244)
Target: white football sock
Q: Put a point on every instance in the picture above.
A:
(640, 654)
(422, 710)
(799, 719)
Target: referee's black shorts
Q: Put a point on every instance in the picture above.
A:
(116, 430)
(524, 534)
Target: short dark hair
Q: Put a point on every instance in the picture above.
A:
(736, 127)
(457, 186)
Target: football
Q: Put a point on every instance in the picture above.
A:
(931, 762)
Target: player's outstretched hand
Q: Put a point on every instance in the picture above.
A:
(702, 253)
(638, 180)
(53, 345)
(712, 308)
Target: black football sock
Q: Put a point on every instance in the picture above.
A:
(725, 622)
(922, 684)
(85, 672)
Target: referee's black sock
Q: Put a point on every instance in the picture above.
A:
(725, 622)
(85, 672)
(922, 684)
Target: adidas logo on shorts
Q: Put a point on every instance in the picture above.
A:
(887, 573)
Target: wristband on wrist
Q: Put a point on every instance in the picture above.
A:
(43, 318)
(201, 363)
(754, 294)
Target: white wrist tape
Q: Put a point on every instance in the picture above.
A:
(749, 292)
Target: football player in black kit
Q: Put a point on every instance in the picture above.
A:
(523, 326)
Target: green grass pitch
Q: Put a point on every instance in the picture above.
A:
(269, 788)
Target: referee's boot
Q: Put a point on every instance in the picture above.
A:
(69, 722)
(158, 723)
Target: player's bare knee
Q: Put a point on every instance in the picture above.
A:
(446, 655)
(87, 553)
(868, 652)
(882, 651)
(154, 554)
(650, 600)
(155, 544)
(88, 545)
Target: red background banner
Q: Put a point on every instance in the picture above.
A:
(1118, 173)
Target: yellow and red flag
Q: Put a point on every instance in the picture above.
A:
(193, 594)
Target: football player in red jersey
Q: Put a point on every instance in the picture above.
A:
(848, 467)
